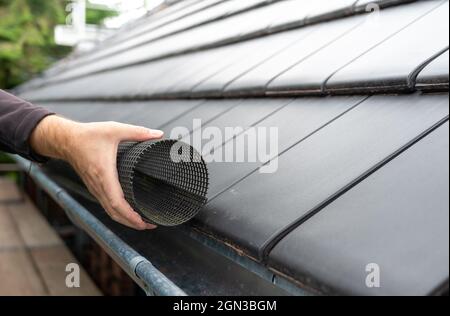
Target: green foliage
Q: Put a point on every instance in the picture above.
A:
(3, 157)
(26, 38)
(94, 16)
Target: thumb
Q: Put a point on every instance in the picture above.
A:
(137, 133)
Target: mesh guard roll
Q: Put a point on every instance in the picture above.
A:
(164, 190)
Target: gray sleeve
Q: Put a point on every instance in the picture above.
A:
(18, 119)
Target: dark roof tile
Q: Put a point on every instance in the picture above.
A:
(397, 218)
(392, 65)
(435, 75)
(312, 74)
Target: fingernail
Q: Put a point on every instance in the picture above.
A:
(156, 133)
(150, 226)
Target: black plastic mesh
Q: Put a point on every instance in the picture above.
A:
(166, 191)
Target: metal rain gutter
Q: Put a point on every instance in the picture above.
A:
(150, 279)
(248, 264)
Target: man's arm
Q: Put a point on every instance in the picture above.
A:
(91, 149)
(17, 121)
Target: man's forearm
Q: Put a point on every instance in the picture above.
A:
(53, 137)
(91, 149)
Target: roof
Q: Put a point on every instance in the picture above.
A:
(361, 104)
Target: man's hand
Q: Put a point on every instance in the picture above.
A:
(91, 149)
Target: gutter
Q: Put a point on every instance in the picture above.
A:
(149, 278)
(249, 264)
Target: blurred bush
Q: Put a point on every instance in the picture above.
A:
(27, 43)
(26, 38)
(94, 16)
(4, 158)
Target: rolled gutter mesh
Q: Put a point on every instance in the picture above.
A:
(165, 191)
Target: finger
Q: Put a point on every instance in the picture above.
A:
(117, 218)
(111, 210)
(127, 132)
(151, 226)
(100, 196)
(90, 185)
(125, 212)
(115, 196)
(95, 182)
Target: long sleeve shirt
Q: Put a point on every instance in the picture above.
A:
(18, 119)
